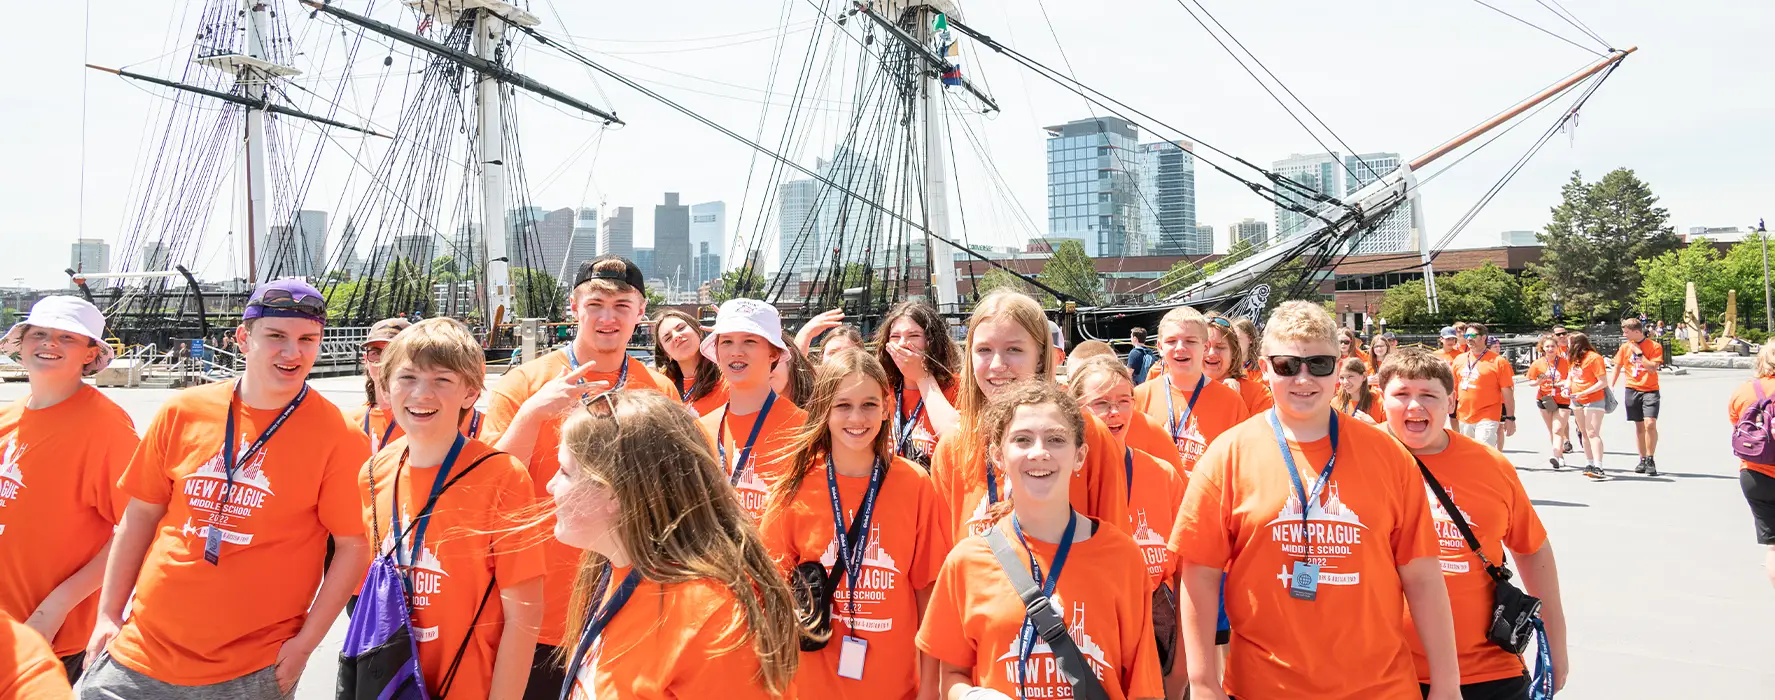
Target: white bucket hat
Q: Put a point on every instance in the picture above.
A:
(64, 313)
(745, 316)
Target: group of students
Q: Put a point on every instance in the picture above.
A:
(922, 520)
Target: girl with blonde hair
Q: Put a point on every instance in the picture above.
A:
(676, 595)
(870, 524)
(1008, 343)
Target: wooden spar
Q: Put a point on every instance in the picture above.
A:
(236, 99)
(1526, 105)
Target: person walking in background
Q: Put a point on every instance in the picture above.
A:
(1489, 502)
(1549, 373)
(1140, 357)
(234, 485)
(1640, 357)
(63, 447)
(1588, 387)
(1757, 481)
(1486, 396)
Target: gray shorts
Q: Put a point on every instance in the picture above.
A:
(108, 680)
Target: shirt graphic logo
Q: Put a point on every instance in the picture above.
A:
(979, 522)
(879, 574)
(206, 487)
(1191, 444)
(1042, 673)
(1152, 543)
(427, 574)
(1335, 532)
(1448, 535)
(753, 490)
(12, 478)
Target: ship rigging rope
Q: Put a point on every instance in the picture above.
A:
(1540, 28)
(1572, 19)
(758, 135)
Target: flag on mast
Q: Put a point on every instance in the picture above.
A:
(950, 51)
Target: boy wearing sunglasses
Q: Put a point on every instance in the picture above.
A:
(1324, 529)
(1485, 399)
(234, 483)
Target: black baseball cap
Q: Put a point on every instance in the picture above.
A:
(629, 275)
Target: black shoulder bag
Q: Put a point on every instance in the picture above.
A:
(813, 587)
(1047, 620)
(1513, 611)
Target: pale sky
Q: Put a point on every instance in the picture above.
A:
(1690, 112)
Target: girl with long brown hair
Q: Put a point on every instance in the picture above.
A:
(1224, 360)
(1588, 388)
(1355, 397)
(978, 626)
(1007, 343)
(1549, 372)
(913, 345)
(676, 595)
(872, 522)
(677, 339)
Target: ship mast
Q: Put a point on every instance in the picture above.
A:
(936, 176)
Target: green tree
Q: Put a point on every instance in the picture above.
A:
(1488, 293)
(1664, 281)
(1181, 275)
(655, 299)
(737, 282)
(1240, 251)
(1072, 273)
(996, 278)
(535, 294)
(1598, 233)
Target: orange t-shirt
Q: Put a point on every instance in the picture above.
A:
(507, 397)
(1147, 434)
(671, 641)
(1097, 489)
(193, 623)
(480, 532)
(1154, 495)
(1360, 355)
(711, 401)
(59, 501)
(1376, 408)
(1549, 373)
(28, 669)
(975, 616)
(1479, 386)
(769, 456)
(908, 538)
(1588, 379)
(1242, 515)
(1640, 377)
(1484, 486)
(1217, 409)
(1451, 355)
(923, 442)
(1255, 392)
(1742, 398)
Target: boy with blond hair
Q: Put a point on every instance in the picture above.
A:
(1193, 409)
(1323, 528)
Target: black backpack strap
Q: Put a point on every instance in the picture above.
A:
(469, 636)
(1498, 573)
(1048, 623)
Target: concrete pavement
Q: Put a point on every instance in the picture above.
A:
(1662, 578)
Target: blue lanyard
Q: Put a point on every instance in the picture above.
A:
(1177, 422)
(683, 394)
(423, 517)
(595, 626)
(212, 551)
(745, 456)
(903, 428)
(1026, 635)
(991, 483)
(1307, 499)
(1128, 466)
(851, 552)
(474, 424)
(374, 446)
(622, 375)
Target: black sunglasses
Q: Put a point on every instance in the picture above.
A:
(282, 299)
(1317, 365)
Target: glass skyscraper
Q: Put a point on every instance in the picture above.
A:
(1093, 186)
(1167, 200)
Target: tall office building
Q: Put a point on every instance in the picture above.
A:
(617, 234)
(154, 257)
(1320, 173)
(814, 220)
(296, 249)
(90, 255)
(1167, 199)
(671, 242)
(1205, 232)
(418, 249)
(1093, 185)
(1257, 232)
(583, 246)
(708, 237)
(645, 260)
(553, 236)
(1393, 233)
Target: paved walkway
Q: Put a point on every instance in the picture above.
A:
(1662, 577)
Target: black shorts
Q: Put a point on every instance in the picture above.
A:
(546, 674)
(1759, 491)
(1501, 689)
(1549, 403)
(1642, 405)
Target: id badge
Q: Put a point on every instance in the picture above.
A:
(1304, 583)
(850, 658)
(212, 546)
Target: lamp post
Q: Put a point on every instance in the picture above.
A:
(1768, 311)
